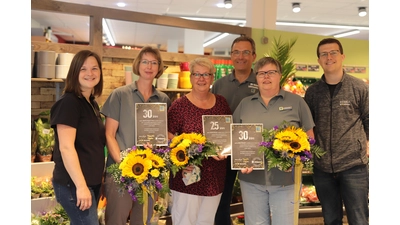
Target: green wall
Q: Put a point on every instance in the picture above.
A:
(304, 51)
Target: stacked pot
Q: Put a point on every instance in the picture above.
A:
(62, 65)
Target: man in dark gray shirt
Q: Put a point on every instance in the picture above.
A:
(234, 87)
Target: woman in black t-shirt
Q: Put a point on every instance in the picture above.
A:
(80, 139)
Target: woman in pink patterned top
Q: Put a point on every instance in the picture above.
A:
(197, 203)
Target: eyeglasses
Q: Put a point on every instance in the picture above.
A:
(147, 62)
(205, 75)
(333, 53)
(245, 53)
(263, 74)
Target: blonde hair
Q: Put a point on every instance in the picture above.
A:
(204, 62)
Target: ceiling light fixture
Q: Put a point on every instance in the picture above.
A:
(215, 39)
(228, 4)
(296, 7)
(107, 31)
(121, 4)
(362, 11)
(352, 32)
(278, 23)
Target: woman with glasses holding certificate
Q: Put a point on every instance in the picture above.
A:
(195, 203)
(119, 110)
(268, 195)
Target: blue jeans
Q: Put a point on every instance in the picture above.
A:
(350, 187)
(266, 205)
(66, 196)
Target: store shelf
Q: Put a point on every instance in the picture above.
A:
(39, 205)
(47, 80)
(174, 90)
(42, 169)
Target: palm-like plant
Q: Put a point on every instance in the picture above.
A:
(281, 51)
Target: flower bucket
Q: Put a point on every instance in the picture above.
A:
(44, 158)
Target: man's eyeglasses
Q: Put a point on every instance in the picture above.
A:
(147, 62)
(263, 74)
(333, 53)
(245, 53)
(205, 75)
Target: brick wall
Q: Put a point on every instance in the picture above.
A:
(43, 94)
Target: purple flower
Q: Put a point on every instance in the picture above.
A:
(158, 184)
(311, 140)
(263, 143)
(266, 144)
(308, 154)
(276, 127)
(200, 148)
(122, 179)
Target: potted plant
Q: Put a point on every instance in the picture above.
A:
(34, 137)
(47, 189)
(46, 140)
(281, 51)
(35, 189)
(58, 216)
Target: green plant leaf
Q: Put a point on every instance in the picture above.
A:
(281, 51)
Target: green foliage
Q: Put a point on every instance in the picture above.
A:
(35, 189)
(281, 51)
(46, 139)
(236, 188)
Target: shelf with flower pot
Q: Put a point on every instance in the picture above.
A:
(41, 174)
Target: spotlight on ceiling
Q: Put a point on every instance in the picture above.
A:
(362, 11)
(228, 4)
(296, 7)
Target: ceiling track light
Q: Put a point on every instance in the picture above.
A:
(345, 34)
(296, 7)
(228, 4)
(362, 11)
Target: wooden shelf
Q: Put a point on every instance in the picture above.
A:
(174, 90)
(48, 80)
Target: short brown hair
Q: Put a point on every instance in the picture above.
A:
(330, 41)
(72, 81)
(245, 38)
(151, 50)
(265, 61)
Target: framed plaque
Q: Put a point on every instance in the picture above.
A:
(217, 129)
(151, 124)
(246, 138)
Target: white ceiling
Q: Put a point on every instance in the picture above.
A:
(76, 28)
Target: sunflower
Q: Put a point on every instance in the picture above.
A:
(179, 156)
(157, 161)
(299, 145)
(134, 166)
(286, 135)
(145, 153)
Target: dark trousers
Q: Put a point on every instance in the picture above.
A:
(350, 187)
(223, 215)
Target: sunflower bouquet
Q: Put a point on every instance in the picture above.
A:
(189, 149)
(142, 172)
(286, 145)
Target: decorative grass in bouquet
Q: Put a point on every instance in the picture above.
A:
(142, 172)
(286, 145)
(190, 149)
